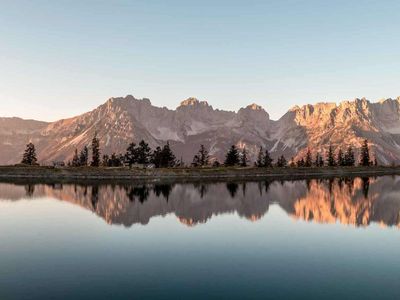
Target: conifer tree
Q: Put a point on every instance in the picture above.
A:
(29, 157)
(143, 153)
(300, 163)
(95, 151)
(319, 162)
(340, 158)
(349, 157)
(260, 158)
(243, 158)
(267, 159)
(330, 157)
(131, 155)
(75, 159)
(281, 162)
(365, 159)
(167, 157)
(84, 156)
(156, 158)
(308, 161)
(201, 158)
(232, 157)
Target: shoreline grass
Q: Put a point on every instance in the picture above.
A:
(208, 173)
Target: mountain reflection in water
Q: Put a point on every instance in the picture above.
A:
(357, 201)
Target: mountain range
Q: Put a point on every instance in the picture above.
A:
(120, 121)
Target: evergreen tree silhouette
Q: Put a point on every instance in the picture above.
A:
(349, 157)
(340, 158)
(167, 157)
(29, 157)
(75, 159)
(201, 158)
(267, 159)
(331, 157)
(95, 151)
(84, 156)
(281, 162)
(365, 159)
(232, 157)
(308, 161)
(260, 158)
(143, 153)
(301, 163)
(156, 158)
(319, 161)
(131, 155)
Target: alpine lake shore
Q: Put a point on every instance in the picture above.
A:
(181, 174)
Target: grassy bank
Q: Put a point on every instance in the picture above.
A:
(232, 173)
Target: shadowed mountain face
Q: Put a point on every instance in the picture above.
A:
(357, 202)
(120, 121)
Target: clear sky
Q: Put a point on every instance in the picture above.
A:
(62, 58)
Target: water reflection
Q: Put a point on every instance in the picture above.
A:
(355, 201)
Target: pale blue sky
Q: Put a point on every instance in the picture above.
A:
(62, 58)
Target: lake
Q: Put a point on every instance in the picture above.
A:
(314, 239)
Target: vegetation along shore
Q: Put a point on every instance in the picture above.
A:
(141, 162)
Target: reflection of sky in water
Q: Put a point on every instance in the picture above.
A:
(52, 247)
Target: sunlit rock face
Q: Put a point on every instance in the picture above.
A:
(120, 121)
(356, 202)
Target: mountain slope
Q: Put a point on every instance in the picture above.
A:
(120, 121)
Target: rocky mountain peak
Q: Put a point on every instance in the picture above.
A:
(254, 106)
(191, 101)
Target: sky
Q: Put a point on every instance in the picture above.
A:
(62, 58)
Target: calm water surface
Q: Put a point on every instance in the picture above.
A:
(317, 239)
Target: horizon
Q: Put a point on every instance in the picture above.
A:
(276, 54)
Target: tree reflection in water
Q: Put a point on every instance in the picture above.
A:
(356, 201)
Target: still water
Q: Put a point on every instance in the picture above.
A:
(317, 239)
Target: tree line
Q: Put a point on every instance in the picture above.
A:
(163, 157)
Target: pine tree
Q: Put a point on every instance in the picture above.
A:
(167, 157)
(319, 162)
(365, 159)
(95, 151)
(201, 158)
(157, 157)
(349, 157)
(260, 158)
(131, 155)
(301, 163)
(243, 158)
(84, 156)
(267, 159)
(29, 157)
(232, 157)
(331, 158)
(340, 158)
(75, 159)
(281, 162)
(143, 153)
(308, 161)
